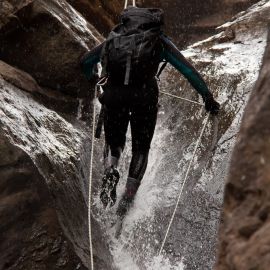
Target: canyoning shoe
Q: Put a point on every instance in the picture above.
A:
(128, 197)
(124, 206)
(108, 188)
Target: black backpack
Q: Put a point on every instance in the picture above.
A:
(132, 49)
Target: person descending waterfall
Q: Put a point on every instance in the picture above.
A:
(130, 58)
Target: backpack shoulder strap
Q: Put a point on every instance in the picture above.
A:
(104, 53)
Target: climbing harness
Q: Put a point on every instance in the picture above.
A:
(133, 3)
(90, 183)
(184, 182)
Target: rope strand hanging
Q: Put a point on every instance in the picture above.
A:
(90, 183)
(184, 182)
(186, 99)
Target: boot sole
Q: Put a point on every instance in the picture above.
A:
(109, 188)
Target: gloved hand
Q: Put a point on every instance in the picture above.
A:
(211, 105)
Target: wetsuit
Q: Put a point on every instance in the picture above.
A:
(137, 104)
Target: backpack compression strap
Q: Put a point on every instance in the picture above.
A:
(129, 55)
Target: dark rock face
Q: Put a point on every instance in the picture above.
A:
(31, 236)
(244, 232)
(45, 183)
(46, 39)
(9, 8)
(102, 14)
(19, 78)
(187, 21)
(44, 159)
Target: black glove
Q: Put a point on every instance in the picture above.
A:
(211, 105)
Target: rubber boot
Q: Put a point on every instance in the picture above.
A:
(128, 196)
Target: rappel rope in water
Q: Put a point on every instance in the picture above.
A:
(184, 182)
(91, 172)
(90, 183)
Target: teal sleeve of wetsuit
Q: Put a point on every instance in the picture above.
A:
(172, 55)
(88, 66)
(89, 61)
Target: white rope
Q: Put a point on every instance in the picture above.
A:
(182, 187)
(126, 3)
(90, 184)
(171, 95)
(133, 3)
